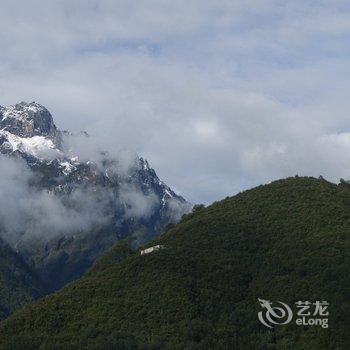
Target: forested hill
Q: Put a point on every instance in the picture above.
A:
(286, 241)
(18, 284)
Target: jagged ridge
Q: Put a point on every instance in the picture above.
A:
(28, 132)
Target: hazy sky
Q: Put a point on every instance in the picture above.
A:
(218, 95)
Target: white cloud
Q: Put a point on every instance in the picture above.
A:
(219, 96)
(26, 211)
(136, 203)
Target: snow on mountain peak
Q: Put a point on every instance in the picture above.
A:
(37, 146)
(27, 120)
(28, 129)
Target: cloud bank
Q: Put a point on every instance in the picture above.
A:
(27, 212)
(219, 96)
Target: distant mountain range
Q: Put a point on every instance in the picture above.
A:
(288, 241)
(86, 204)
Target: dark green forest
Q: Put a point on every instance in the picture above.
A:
(18, 283)
(288, 241)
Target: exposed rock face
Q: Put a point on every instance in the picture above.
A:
(132, 199)
(27, 120)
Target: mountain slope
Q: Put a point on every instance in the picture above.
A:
(286, 241)
(18, 284)
(74, 208)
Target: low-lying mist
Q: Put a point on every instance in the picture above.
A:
(26, 210)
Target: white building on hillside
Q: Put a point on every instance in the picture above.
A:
(152, 249)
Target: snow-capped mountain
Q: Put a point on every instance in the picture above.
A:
(28, 130)
(108, 197)
(28, 120)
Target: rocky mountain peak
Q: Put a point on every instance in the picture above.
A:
(27, 120)
(96, 201)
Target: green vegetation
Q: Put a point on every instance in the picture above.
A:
(66, 258)
(18, 284)
(285, 241)
(63, 259)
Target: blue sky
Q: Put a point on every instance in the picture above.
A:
(218, 95)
